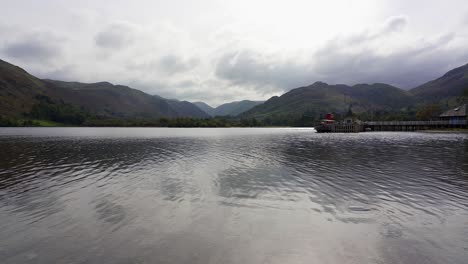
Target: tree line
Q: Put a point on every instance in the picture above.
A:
(69, 115)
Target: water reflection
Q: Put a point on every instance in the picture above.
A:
(233, 196)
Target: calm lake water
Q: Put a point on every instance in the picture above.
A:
(274, 195)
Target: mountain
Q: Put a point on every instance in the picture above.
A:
(206, 108)
(182, 108)
(18, 92)
(446, 88)
(18, 89)
(228, 109)
(321, 98)
(106, 99)
(235, 108)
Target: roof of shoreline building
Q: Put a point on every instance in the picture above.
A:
(458, 111)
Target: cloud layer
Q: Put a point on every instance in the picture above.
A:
(223, 54)
(37, 46)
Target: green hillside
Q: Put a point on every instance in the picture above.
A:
(444, 89)
(235, 108)
(19, 90)
(320, 98)
(382, 100)
(106, 99)
(25, 96)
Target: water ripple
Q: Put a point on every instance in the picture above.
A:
(243, 194)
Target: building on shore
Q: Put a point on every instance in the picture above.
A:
(455, 116)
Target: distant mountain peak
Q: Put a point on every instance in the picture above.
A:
(105, 83)
(319, 83)
(448, 87)
(202, 103)
(459, 72)
(228, 109)
(321, 98)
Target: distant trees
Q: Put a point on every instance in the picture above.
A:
(13, 122)
(174, 122)
(66, 114)
(7, 122)
(428, 112)
(60, 112)
(463, 98)
(45, 110)
(162, 122)
(405, 114)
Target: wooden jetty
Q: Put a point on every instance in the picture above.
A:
(453, 118)
(413, 125)
(355, 127)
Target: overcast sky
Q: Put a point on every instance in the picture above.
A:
(218, 51)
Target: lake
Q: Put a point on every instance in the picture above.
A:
(232, 195)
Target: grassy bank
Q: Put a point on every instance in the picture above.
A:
(446, 130)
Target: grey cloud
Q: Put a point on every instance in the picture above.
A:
(465, 19)
(168, 64)
(115, 36)
(172, 64)
(3, 30)
(190, 90)
(35, 47)
(64, 73)
(395, 24)
(152, 87)
(392, 25)
(335, 63)
(163, 89)
(187, 84)
(213, 96)
(403, 68)
(156, 50)
(445, 39)
(250, 68)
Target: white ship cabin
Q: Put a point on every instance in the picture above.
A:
(351, 120)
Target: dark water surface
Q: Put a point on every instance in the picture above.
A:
(143, 195)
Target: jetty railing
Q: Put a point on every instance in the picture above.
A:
(416, 123)
(413, 125)
(344, 127)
